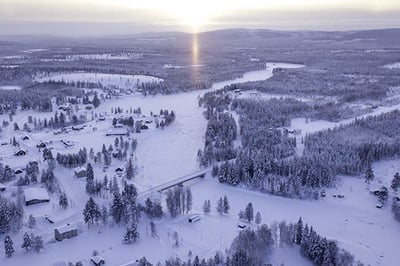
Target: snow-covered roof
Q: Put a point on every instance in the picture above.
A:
(132, 263)
(66, 228)
(119, 169)
(20, 150)
(97, 259)
(79, 169)
(2, 186)
(117, 131)
(36, 194)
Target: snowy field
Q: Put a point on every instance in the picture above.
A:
(102, 56)
(306, 126)
(121, 81)
(391, 66)
(10, 88)
(256, 95)
(367, 232)
(30, 51)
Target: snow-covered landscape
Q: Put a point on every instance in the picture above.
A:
(232, 147)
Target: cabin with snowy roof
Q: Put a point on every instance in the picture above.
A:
(80, 172)
(35, 196)
(65, 232)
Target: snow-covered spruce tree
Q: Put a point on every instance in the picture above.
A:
(153, 209)
(96, 101)
(251, 247)
(369, 173)
(132, 234)
(89, 172)
(220, 206)
(31, 222)
(63, 200)
(189, 200)
(299, 231)
(176, 201)
(396, 209)
(104, 215)
(207, 207)
(8, 246)
(396, 182)
(117, 208)
(27, 242)
(130, 171)
(11, 215)
(131, 211)
(383, 195)
(153, 229)
(249, 212)
(258, 218)
(226, 205)
(91, 213)
(175, 237)
(38, 244)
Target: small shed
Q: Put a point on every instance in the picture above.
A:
(117, 132)
(67, 143)
(26, 137)
(20, 152)
(98, 260)
(2, 187)
(41, 145)
(80, 172)
(78, 127)
(18, 171)
(35, 196)
(144, 127)
(194, 218)
(65, 232)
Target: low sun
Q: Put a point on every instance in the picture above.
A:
(192, 13)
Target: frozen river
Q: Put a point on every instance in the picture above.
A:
(172, 153)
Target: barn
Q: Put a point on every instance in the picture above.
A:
(65, 232)
(35, 196)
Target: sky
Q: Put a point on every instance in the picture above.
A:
(105, 17)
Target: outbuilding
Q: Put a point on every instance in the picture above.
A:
(194, 218)
(65, 232)
(20, 152)
(98, 260)
(117, 132)
(2, 187)
(18, 171)
(41, 145)
(80, 172)
(78, 127)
